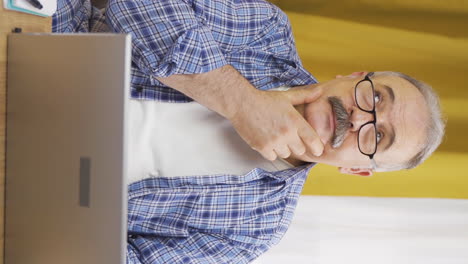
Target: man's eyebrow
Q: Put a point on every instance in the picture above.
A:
(391, 135)
(390, 92)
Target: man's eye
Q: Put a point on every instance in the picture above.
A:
(377, 97)
(379, 136)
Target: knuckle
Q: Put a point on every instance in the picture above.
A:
(274, 139)
(264, 148)
(283, 130)
(258, 145)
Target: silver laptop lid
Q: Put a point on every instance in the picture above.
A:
(66, 191)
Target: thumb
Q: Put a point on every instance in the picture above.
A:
(299, 96)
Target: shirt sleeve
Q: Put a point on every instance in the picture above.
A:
(168, 37)
(199, 248)
(216, 219)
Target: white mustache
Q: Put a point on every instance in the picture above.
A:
(342, 121)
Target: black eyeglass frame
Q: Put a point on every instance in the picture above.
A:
(367, 78)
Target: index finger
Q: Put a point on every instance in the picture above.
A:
(306, 95)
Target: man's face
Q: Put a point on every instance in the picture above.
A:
(401, 116)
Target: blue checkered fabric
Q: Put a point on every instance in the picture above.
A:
(195, 36)
(211, 219)
(78, 16)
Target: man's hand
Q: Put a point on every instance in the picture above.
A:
(266, 120)
(269, 123)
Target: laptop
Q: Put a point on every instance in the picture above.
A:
(66, 190)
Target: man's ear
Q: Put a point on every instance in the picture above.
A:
(357, 171)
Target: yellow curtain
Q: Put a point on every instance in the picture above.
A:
(427, 39)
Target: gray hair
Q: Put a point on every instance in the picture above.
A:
(435, 128)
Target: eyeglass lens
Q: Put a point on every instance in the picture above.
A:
(367, 139)
(365, 95)
(367, 134)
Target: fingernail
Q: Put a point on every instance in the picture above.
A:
(318, 152)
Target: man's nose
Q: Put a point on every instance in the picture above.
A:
(359, 118)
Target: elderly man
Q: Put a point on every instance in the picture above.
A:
(241, 204)
(199, 192)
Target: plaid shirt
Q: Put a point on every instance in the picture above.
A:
(214, 218)
(195, 36)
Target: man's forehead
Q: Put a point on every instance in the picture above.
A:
(407, 115)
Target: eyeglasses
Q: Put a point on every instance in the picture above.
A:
(364, 95)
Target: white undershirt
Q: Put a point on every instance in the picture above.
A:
(184, 139)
